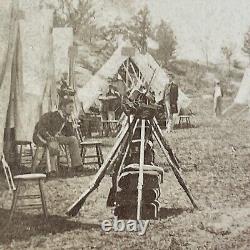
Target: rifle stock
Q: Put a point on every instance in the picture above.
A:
(74, 209)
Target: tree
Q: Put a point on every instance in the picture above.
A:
(246, 46)
(227, 52)
(205, 49)
(195, 74)
(237, 64)
(167, 43)
(78, 15)
(109, 36)
(140, 29)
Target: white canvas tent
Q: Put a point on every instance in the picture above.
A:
(98, 84)
(82, 76)
(241, 102)
(26, 68)
(243, 95)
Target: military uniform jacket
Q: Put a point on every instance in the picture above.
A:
(171, 96)
(50, 125)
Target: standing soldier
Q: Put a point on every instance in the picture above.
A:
(217, 95)
(170, 101)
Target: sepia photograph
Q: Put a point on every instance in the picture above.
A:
(124, 124)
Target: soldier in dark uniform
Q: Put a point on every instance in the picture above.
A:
(56, 126)
(170, 101)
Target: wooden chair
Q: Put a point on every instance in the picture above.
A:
(109, 127)
(88, 145)
(22, 153)
(20, 180)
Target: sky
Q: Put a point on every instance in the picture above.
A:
(198, 24)
(204, 23)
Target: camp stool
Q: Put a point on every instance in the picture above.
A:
(22, 153)
(88, 145)
(184, 120)
(21, 180)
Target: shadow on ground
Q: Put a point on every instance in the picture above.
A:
(169, 212)
(25, 226)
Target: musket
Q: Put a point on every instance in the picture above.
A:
(151, 80)
(74, 209)
(173, 162)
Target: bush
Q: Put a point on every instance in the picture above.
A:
(195, 75)
(236, 64)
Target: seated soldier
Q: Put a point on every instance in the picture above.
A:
(56, 127)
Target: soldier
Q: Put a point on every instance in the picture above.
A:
(170, 101)
(55, 127)
(217, 95)
(64, 91)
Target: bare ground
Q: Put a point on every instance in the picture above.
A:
(215, 162)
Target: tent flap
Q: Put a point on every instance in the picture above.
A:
(36, 70)
(26, 68)
(8, 35)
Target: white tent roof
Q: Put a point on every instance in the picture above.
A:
(241, 102)
(82, 76)
(146, 63)
(98, 83)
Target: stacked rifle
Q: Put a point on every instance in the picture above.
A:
(130, 183)
(136, 179)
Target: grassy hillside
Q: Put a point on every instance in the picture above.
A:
(198, 79)
(217, 174)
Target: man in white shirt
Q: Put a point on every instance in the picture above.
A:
(217, 95)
